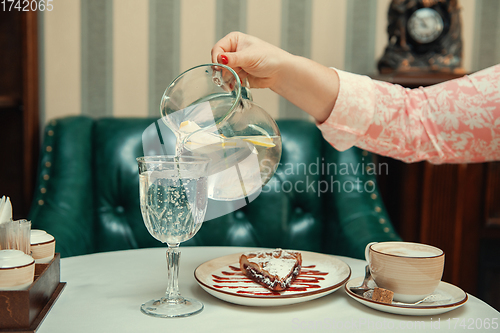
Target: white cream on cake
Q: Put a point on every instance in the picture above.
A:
(280, 266)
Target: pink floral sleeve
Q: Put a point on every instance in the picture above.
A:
(456, 121)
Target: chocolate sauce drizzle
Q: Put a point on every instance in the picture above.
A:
(232, 278)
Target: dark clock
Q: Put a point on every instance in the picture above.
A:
(424, 35)
(425, 25)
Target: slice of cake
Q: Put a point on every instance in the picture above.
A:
(275, 269)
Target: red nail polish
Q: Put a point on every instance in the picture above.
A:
(224, 60)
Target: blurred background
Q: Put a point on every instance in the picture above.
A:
(114, 58)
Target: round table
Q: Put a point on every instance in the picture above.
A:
(105, 290)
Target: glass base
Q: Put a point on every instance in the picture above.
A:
(163, 308)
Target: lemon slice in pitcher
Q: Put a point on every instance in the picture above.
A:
(189, 126)
(260, 140)
(202, 139)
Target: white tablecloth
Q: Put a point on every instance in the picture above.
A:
(104, 292)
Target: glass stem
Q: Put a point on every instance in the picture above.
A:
(173, 254)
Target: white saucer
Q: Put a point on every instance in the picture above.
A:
(455, 296)
(321, 275)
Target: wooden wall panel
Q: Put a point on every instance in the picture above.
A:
(30, 102)
(492, 203)
(19, 125)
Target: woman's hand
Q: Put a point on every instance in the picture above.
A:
(251, 58)
(307, 84)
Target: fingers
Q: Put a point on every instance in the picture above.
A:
(249, 57)
(226, 45)
(235, 60)
(232, 51)
(242, 75)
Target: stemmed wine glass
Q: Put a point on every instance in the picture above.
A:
(173, 196)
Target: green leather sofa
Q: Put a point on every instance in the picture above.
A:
(87, 194)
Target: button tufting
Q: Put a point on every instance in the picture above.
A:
(120, 209)
(386, 229)
(46, 177)
(43, 190)
(365, 153)
(373, 196)
(378, 209)
(40, 202)
(50, 132)
(48, 164)
(298, 210)
(48, 149)
(239, 215)
(382, 221)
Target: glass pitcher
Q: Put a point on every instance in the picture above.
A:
(213, 115)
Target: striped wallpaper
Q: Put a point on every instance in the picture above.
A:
(116, 57)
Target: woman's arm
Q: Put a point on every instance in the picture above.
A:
(453, 122)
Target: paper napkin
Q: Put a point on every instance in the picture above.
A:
(5, 210)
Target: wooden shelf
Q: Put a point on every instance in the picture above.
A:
(414, 80)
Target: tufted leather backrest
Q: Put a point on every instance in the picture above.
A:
(88, 194)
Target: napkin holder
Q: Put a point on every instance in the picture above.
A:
(24, 310)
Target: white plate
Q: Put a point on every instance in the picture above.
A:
(321, 275)
(455, 297)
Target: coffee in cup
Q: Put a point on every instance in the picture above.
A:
(411, 270)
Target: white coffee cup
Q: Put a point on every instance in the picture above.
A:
(43, 246)
(410, 270)
(17, 270)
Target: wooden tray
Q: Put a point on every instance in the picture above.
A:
(24, 310)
